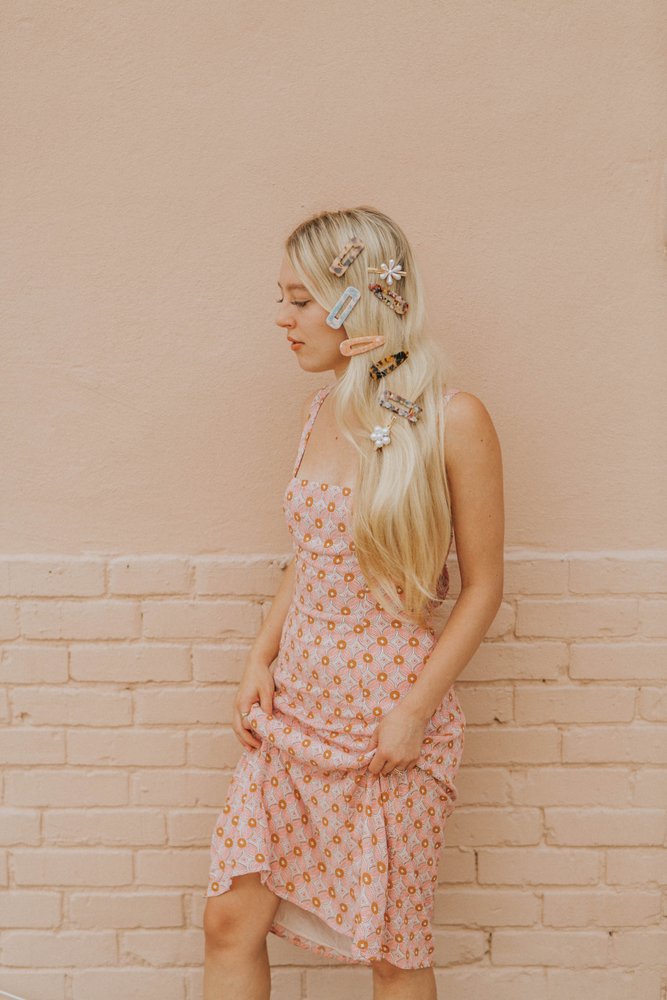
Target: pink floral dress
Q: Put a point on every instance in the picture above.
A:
(352, 855)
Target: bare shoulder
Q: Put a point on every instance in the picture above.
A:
(470, 432)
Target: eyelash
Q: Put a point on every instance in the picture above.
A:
(302, 304)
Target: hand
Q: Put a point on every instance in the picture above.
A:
(256, 686)
(399, 739)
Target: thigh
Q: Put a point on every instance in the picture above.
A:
(245, 911)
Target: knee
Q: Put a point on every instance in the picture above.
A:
(386, 972)
(228, 927)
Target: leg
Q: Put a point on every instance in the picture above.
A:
(236, 966)
(392, 983)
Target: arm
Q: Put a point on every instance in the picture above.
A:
(474, 468)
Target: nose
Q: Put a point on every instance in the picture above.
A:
(283, 319)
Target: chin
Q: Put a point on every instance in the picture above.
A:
(314, 365)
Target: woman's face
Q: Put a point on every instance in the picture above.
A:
(315, 344)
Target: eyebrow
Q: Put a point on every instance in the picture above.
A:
(294, 287)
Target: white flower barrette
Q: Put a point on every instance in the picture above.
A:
(381, 436)
(390, 272)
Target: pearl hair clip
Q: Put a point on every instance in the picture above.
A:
(390, 272)
(347, 256)
(382, 435)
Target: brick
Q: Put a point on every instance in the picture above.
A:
(483, 786)
(200, 619)
(571, 786)
(4, 880)
(613, 827)
(30, 909)
(130, 984)
(182, 947)
(9, 620)
(180, 788)
(112, 827)
(33, 665)
(126, 910)
(19, 826)
(141, 575)
(213, 748)
(501, 984)
(240, 576)
(456, 866)
(106, 746)
(24, 745)
(59, 576)
(535, 574)
(135, 663)
(584, 618)
(598, 984)
(171, 868)
(174, 706)
(631, 573)
(613, 744)
(339, 984)
(495, 661)
(482, 705)
(219, 663)
(606, 908)
(640, 948)
(542, 866)
(650, 789)
(285, 984)
(486, 908)
(619, 661)
(4, 706)
(653, 619)
(72, 707)
(547, 703)
(653, 704)
(512, 746)
(474, 827)
(559, 948)
(80, 620)
(62, 867)
(458, 947)
(35, 949)
(36, 985)
(196, 904)
(67, 788)
(637, 867)
(188, 828)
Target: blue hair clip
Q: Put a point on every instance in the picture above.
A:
(343, 307)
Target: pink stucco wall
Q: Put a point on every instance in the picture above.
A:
(155, 156)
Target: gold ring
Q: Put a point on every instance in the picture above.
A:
(243, 714)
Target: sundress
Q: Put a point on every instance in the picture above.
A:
(352, 855)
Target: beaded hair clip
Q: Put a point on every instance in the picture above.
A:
(388, 364)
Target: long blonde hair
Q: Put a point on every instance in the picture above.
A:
(402, 508)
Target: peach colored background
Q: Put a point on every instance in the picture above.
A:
(155, 156)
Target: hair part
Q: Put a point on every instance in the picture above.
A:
(402, 507)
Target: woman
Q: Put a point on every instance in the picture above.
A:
(334, 822)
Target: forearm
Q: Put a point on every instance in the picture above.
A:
(266, 645)
(468, 623)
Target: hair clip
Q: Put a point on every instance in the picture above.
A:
(391, 299)
(388, 272)
(347, 256)
(359, 345)
(388, 364)
(336, 318)
(398, 404)
(382, 435)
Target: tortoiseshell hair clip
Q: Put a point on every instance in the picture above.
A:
(403, 407)
(391, 299)
(388, 364)
(347, 256)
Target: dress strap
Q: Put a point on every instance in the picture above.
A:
(448, 395)
(308, 426)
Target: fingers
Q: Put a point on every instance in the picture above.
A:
(266, 699)
(243, 728)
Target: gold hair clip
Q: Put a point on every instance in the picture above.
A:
(391, 299)
(381, 436)
(398, 404)
(388, 272)
(388, 364)
(346, 257)
(359, 345)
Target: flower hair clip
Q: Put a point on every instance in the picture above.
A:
(391, 299)
(381, 436)
(390, 272)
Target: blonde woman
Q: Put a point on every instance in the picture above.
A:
(335, 817)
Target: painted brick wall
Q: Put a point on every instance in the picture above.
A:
(116, 683)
